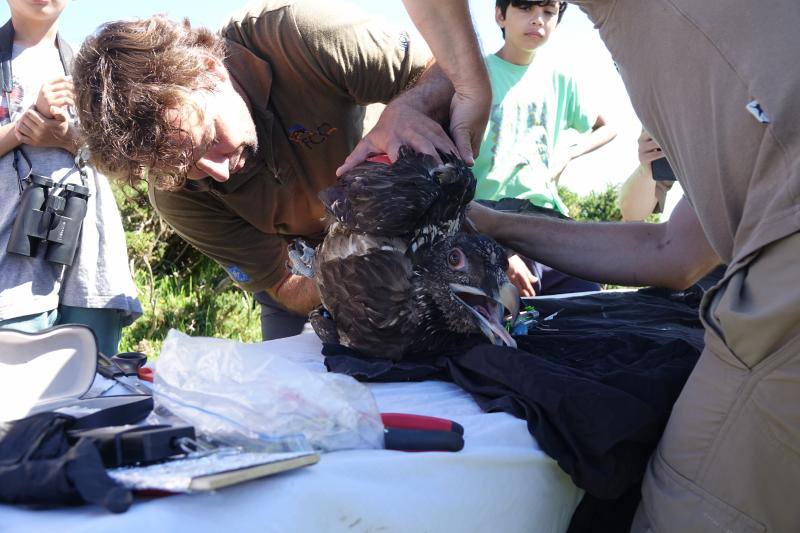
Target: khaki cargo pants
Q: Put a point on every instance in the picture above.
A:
(729, 459)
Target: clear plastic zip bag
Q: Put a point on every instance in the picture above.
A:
(262, 397)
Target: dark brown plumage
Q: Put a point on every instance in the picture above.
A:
(395, 271)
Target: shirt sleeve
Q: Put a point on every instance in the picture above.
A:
(255, 260)
(338, 47)
(580, 113)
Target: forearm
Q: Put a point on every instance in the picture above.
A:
(447, 27)
(297, 294)
(8, 139)
(607, 253)
(637, 196)
(70, 141)
(431, 95)
(413, 119)
(600, 135)
(673, 254)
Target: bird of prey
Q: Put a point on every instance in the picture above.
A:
(396, 273)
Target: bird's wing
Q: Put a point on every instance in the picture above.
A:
(369, 296)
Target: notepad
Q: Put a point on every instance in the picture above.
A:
(210, 472)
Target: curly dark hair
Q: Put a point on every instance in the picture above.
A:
(130, 77)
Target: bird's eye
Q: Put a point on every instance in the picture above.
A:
(455, 258)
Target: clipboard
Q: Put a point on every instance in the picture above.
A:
(212, 471)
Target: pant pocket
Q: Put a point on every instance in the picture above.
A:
(758, 310)
(755, 464)
(672, 503)
(776, 404)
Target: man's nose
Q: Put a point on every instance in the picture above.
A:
(216, 167)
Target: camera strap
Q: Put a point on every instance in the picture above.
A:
(15, 164)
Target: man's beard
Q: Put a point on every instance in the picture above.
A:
(248, 154)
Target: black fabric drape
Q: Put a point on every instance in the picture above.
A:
(595, 379)
(38, 465)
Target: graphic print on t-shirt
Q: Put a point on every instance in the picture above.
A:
(12, 100)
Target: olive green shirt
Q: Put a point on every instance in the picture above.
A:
(307, 68)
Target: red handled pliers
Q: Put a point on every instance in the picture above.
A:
(418, 433)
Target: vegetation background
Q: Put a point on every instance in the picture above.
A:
(182, 289)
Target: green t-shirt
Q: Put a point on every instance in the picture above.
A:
(531, 105)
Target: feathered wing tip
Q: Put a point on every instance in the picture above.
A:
(369, 299)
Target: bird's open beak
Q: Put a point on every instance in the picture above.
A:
(489, 311)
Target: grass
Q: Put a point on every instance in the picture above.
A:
(178, 287)
(203, 303)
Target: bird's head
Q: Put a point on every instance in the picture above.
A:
(462, 280)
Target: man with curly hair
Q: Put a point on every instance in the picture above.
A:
(237, 133)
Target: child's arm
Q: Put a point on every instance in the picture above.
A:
(600, 135)
(35, 129)
(46, 123)
(8, 138)
(520, 275)
(637, 196)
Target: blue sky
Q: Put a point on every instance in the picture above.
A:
(575, 41)
(83, 16)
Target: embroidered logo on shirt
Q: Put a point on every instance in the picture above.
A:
(236, 273)
(755, 109)
(300, 135)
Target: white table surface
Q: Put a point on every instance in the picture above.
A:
(500, 482)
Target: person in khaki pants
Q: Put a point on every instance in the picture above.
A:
(716, 85)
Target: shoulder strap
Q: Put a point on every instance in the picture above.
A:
(113, 411)
(6, 47)
(65, 53)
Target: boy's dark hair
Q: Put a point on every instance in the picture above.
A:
(503, 5)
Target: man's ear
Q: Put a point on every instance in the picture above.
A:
(215, 68)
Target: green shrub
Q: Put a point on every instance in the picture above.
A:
(597, 206)
(178, 287)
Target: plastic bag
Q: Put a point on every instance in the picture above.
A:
(264, 394)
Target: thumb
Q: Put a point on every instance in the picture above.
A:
(361, 152)
(58, 113)
(463, 141)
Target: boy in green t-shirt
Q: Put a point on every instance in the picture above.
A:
(533, 101)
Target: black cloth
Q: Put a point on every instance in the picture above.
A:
(596, 379)
(39, 465)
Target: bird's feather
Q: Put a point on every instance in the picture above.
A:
(386, 269)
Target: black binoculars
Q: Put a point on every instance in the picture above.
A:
(48, 217)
